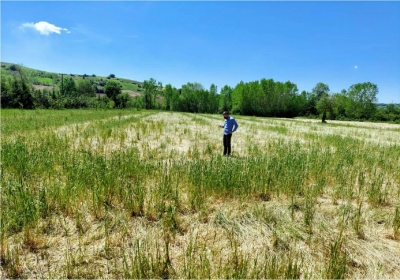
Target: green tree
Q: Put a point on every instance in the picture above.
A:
(289, 100)
(325, 105)
(317, 92)
(320, 89)
(279, 91)
(392, 109)
(7, 96)
(213, 99)
(302, 103)
(112, 89)
(22, 94)
(192, 97)
(225, 100)
(122, 100)
(269, 98)
(68, 87)
(175, 100)
(85, 87)
(168, 92)
(42, 99)
(340, 103)
(13, 67)
(151, 89)
(362, 99)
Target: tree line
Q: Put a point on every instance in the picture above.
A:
(267, 98)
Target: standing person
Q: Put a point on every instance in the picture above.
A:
(229, 127)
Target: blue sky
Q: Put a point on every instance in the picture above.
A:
(337, 43)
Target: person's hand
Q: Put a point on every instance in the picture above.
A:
(230, 132)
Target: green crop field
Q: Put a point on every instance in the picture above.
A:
(129, 86)
(46, 81)
(147, 194)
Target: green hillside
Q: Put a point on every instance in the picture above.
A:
(42, 79)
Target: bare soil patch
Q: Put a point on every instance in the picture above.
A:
(131, 92)
(42, 87)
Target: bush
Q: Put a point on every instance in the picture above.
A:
(112, 89)
(110, 104)
(122, 99)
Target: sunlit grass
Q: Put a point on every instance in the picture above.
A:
(127, 194)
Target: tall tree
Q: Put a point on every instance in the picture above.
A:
(225, 100)
(324, 105)
(175, 101)
(112, 89)
(317, 92)
(22, 94)
(85, 87)
(168, 92)
(151, 89)
(302, 103)
(362, 99)
(340, 102)
(290, 108)
(68, 86)
(7, 96)
(18, 90)
(213, 99)
(237, 97)
(192, 97)
(320, 89)
(269, 98)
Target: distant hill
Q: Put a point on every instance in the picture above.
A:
(383, 105)
(48, 80)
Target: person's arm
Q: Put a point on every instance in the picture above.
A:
(235, 126)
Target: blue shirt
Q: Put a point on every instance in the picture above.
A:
(230, 125)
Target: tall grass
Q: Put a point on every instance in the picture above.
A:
(125, 171)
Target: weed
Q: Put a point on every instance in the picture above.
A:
(337, 260)
(396, 223)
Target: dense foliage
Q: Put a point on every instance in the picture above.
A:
(267, 98)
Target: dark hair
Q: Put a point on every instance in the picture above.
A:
(225, 113)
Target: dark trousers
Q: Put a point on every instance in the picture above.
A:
(227, 144)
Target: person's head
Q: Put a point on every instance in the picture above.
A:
(225, 114)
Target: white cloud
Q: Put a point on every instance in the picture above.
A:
(355, 67)
(44, 28)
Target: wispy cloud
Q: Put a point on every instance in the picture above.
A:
(44, 27)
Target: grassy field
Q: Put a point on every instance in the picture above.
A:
(123, 194)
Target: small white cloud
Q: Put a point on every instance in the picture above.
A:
(355, 67)
(45, 28)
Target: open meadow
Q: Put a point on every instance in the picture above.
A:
(148, 194)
